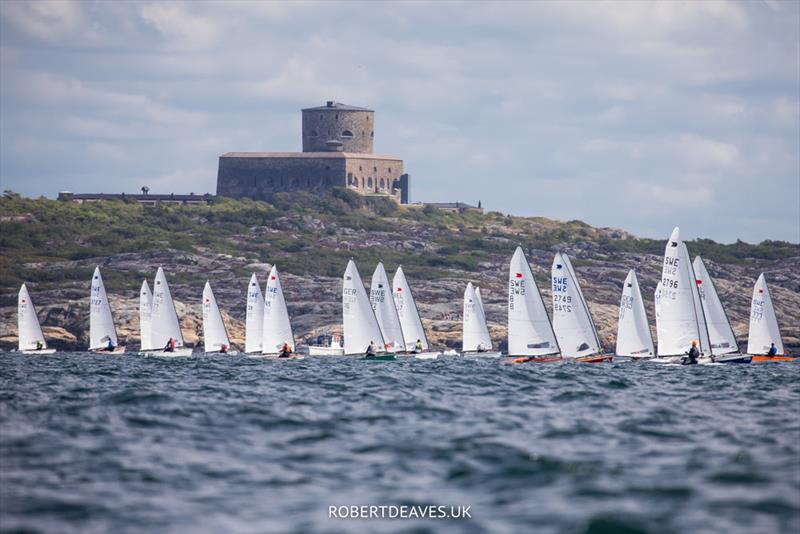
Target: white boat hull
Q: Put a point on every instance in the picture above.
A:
(42, 351)
(294, 356)
(487, 354)
(427, 355)
(217, 353)
(314, 350)
(117, 350)
(177, 353)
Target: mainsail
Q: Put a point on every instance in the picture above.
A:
(720, 333)
(277, 328)
(572, 322)
(214, 333)
(633, 332)
(676, 315)
(476, 333)
(165, 325)
(358, 319)
(380, 297)
(146, 317)
(101, 323)
(254, 317)
(30, 333)
(529, 330)
(763, 323)
(410, 321)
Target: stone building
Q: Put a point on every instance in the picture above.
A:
(337, 152)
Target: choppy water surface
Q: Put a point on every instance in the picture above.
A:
(128, 444)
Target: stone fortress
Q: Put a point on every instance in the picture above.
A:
(337, 152)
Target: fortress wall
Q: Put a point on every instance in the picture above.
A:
(320, 126)
(260, 178)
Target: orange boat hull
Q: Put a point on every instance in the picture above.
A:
(595, 358)
(773, 358)
(531, 359)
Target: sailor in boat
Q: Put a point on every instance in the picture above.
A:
(418, 346)
(773, 350)
(371, 350)
(693, 355)
(286, 351)
(39, 344)
(481, 347)
(223, 349)
(170, 346)
(110, 347)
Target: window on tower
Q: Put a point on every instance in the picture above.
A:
(348, 134)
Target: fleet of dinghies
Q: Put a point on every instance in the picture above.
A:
(386, 323)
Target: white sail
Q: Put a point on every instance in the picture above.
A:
(380, 296)
(763, 323)
(700, 314)
(572, 322)
(30, 332)
(214, 333)
(720, 333)
(146, 317)
(633, 331)
(101, 323)
(410, 321)
(529, 330)
(165, 323)
(676, 316)
(358, 319)
(475, 334)
(254, 318)
(277, 329)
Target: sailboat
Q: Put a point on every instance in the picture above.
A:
(164, 322)
(764, 330)
(102, 333)
(476, 340)
(254, 318)
(380, 297)
(572, 322)
(724, 347)
(360, 325)
(31, 339)
(277, 329)
(145, 317)
(410, 321)
(679, 313)
(215, 335)
(530, 334)
(633, 332)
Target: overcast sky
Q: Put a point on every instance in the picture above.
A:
(638, 115)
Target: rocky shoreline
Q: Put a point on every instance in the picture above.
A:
(314, 302)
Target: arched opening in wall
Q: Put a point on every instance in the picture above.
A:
(375, 169)
(369, 182)
(350, 179)
(390, 170)
(363, 133)
(362, 182)
(382, 184)
(314, 133)
(291, 182)
(347, 134)
(372, 135)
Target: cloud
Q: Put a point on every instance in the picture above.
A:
(604, 111)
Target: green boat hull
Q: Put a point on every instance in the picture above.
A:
(381, 357)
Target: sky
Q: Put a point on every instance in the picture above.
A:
(637, 115)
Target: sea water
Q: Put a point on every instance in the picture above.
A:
(98, 443)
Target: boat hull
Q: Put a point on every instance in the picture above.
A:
(276, 356)
(380, 358)
(531, 359)
(42, 351)
(733, 359)
(217, 353)
(595, 358)
(117, 350)
(487, 354)
(763, 358)
(325, 351)
(182, 352)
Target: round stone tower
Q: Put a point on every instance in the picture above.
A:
(337, 127)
